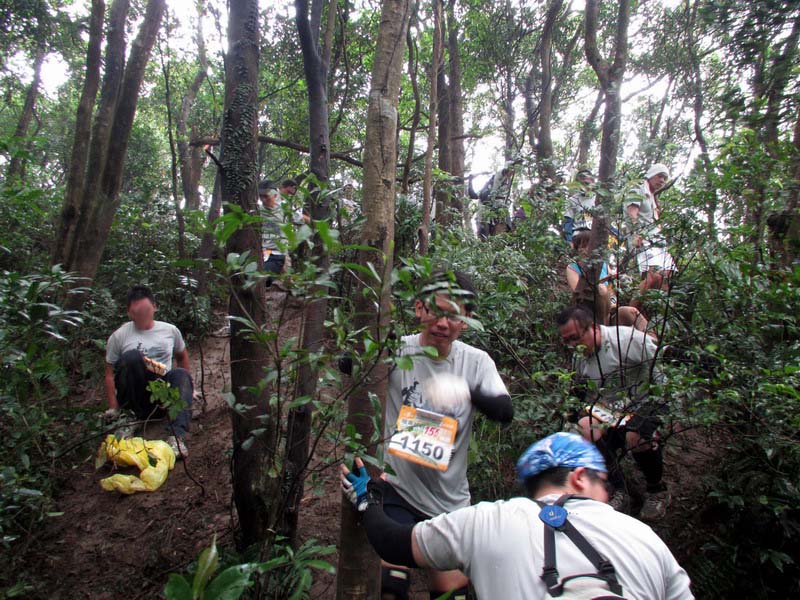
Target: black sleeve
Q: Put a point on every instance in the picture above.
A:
(497, 408)
(391, 540)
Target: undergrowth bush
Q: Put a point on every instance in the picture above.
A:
(34, 336)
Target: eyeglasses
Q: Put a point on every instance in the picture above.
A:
(452, 318)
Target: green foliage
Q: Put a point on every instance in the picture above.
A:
(288, 574)
(166, 396)
(34, 330)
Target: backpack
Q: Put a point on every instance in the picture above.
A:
(601, 585)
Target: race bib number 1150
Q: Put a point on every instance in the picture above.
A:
(424, 437)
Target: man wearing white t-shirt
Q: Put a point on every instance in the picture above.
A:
(654, 261)
(500, 545)
(414, 492)
(615, 366)
(141, 351)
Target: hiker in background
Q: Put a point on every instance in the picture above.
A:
(495, 198)
(644, 235)
(578, 213)
(615, 368)
(599, 298)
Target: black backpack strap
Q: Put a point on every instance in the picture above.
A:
(605, 569)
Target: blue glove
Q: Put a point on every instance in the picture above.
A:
(354, 486)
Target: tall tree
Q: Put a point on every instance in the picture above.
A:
(191, 158)
(15, 168)
(427, 182)
(449, 196)
(316, 61)
(254, 490)
(95, 180)
(358, 564)
(610, 76)
(544, 154)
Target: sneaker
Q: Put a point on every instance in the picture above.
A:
(178, 447)
(619, 500)
(655, 505)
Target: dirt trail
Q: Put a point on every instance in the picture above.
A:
(106, 545)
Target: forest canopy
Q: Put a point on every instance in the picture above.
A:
(137, 137)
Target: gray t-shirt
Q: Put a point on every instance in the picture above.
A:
(621, 365)
(647, 222)
(579, 208)
(158, 343)
(272, 236)
(429, 490)
(500, 547)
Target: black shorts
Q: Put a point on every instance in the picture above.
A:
(645, 422)
(398, 508)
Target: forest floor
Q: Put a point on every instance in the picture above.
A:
(106, 545)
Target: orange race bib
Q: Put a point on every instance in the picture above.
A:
(423, 437)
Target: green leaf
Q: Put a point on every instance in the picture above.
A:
(404, 362)
(430, 351)
(206, 565)
(177, 588)
(230, 584)
(322, 565)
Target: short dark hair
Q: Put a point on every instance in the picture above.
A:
(139, 292)
(442, 281)
(265, 185)
(555, 477)
(583, 317)
(581, 239)
(289, 183)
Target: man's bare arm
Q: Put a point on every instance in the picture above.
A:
(183, 359)
(111, 392)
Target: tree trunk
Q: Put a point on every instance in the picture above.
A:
(443, 136)
(413, 68)
(358, 573)
(76, 176)
(544, 153)
(191, 158)
(16, 164)
(208, 242)
(780, 73)
(588, 131)
(179, 218)
(696, 87)
(100, 196)
(315, 67)
(456, 120)
(255, 493)
(427, 182)
(610, 77)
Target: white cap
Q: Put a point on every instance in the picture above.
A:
(656, 169)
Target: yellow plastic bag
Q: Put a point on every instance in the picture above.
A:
(154, 459)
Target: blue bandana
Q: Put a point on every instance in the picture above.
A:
(560, 449)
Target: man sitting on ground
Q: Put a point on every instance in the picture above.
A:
(499, 545)
(141, 351)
